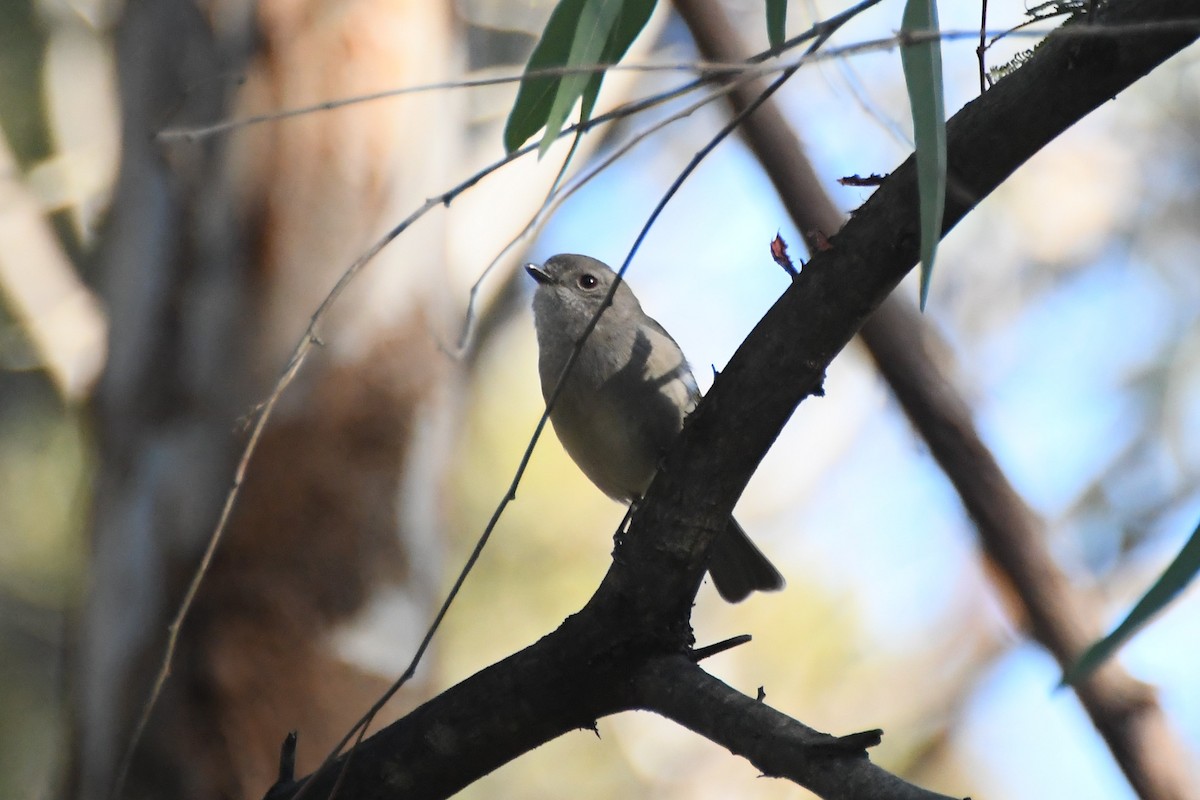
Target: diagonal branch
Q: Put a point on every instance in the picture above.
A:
(1123, 710)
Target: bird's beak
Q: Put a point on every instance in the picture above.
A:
(538, 274)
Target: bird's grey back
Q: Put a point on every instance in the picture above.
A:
(630, 388)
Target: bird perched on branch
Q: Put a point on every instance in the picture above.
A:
(624, 401)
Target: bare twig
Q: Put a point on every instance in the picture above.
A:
(196, 132)
(700, 653)
(555, 198)
(981, 50)
(711, 70)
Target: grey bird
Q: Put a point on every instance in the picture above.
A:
(625, 399)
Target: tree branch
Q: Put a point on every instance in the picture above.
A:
(602, 659)
(1123, 710)
(831, 766)
(599, 662)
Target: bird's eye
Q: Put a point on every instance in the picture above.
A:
(587, 281)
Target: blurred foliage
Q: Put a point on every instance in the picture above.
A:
(22, 48)
(28, 31)
(43, 453)
(579, 33)
(45, 460)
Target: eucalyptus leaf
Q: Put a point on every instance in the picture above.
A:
(536, 95)
(579, 33)
(922, 62)
(596, 21)
(1174, 579)
(776, 21)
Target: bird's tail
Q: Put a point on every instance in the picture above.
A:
(738, 567)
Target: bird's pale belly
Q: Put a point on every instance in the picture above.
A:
(611, 451)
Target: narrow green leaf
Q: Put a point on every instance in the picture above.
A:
(629, 23)
(776, 21)
(1175, 577)
(922, 62)
(596, 21)
(579, 33)
(536, 95)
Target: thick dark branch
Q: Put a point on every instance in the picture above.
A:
(832, 767)
(640, 613)
(1123, 710)
(599, 662)
(564, 682)
(596, 664)
(783, 359)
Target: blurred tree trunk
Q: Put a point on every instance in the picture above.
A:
(216, 253)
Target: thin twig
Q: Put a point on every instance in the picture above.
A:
(263, 414)
(555, 199)
(468, 328)
(981, 50)
(197, 132)
(700, 653)
(709, 69)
